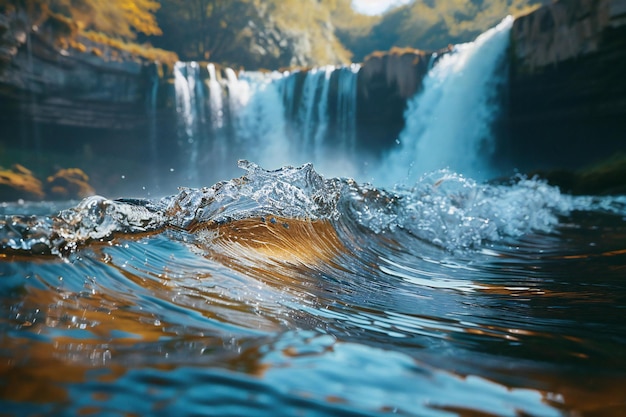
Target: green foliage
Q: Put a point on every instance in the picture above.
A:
(432, 25)
(251, 33)
(122, 19)
(267, 33)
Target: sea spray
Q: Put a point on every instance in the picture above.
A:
(449, 122)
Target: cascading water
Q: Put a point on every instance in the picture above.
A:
(190, 108)
(259, 122)
(448, 124)
(216, 101)
(272, 118)
(310, 116)
(313, 110)
(345, 127)
(285, 292)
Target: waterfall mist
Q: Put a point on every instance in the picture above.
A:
(449, 123)
(274, 119)
(291, 118)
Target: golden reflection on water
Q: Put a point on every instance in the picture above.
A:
(275, 250)
(281, 252)
(295, 242)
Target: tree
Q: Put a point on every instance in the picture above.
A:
(251, 33)
(116, 18)
(202, 29)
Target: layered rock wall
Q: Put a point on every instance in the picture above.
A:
(567, 90)
(49, 85)
(89, 107)
(386, 81)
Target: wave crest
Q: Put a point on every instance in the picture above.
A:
(443, 208)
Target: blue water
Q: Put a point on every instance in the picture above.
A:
(288, 293)
(431, 290)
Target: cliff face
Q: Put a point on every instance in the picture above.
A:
(567, 86)
(73, 89)
(386, 81)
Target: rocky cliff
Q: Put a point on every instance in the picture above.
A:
(386, 81)
(69, 102)
(567, 88)
(97, 91)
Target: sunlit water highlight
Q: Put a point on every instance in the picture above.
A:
(287, 293)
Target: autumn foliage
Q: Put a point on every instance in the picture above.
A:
(281, 32)
(122, 19)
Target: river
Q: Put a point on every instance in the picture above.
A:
(297, 292)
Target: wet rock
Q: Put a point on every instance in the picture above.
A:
(19, 183)
(567, 89)
(604, 178)
(386, 81)
(68, 184)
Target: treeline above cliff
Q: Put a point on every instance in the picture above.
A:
(267, 34)
(432, 25)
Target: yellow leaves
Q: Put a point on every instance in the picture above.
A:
(312, 20)
(434, 24)
(118, 18)
(140, 15)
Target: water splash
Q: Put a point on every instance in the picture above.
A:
(448, 123)
(443, 209)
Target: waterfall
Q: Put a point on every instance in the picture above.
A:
(260, 124)
(273, 118)
(310, 115)
(448, 123)
(190, 108)
(216, 101)
(151, 107)
(346, 107)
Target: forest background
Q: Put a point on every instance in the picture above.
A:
(261, 34)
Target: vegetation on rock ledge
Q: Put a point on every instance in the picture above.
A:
(260, 33)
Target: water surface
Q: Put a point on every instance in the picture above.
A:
(288, 293)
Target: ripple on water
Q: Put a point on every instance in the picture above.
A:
(286, 291)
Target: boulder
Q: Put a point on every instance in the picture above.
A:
(68, 184)
(19, 183)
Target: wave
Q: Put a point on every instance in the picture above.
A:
(288, 290)
(442, 209)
